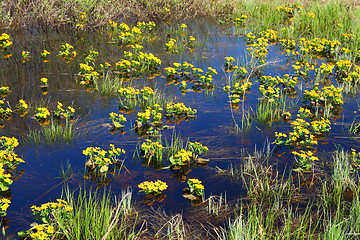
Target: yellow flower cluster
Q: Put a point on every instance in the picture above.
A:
(289, 8)
(304, 133)
(240, 21)
(269, 91)
(67, 52)
(325, 69)
(197, 183)
(99, 159)
(134, 35)
(191, 41)
(42, 232)
(82, 19)
(146, 92)
(150, 187)
(26, 56)
(61, 112)
(87, 74)
(196, 186)
(44, 81)
(179, 109)
(9, 143)
(181, 157)
(128, 91)
(238, 90)
(124, 27)
(148, 145)
(170, 46)
(258, 47)
(4, 204)
(5, 178)
(44, 55)
(5, 42)
(318, 46)
(52, 206)
(151, 112)
(117, 119)
(42, 114)
(190, 74)
(137, 62)
(343, 66)
(90, 59)
(304, 159)
(4, 90)
(270, 35)
(113, 24)
(329, 94)
(10, 159)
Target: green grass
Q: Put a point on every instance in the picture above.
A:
(268, 112)
(98, 216)
(277, 207)
(110, 84)
(263, 15)
(175, 144)
(53, 133)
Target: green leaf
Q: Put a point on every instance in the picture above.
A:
(104, 169)
(22, 234)
(3, 187)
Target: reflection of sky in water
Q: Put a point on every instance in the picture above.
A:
(213, 127)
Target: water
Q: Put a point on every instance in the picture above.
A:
(41, 180)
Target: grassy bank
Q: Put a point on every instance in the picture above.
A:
(57, 13)
(309, 19)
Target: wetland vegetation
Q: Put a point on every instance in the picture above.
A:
(192, 120)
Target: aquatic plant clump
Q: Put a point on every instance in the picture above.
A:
(190, 154)
(4, 205)
(195, 186)
(48, 228)
(187, 73)
(153, 187)
(8, 161)
(151, 150)
(5, 42)
(100, 160)
(117, 119)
